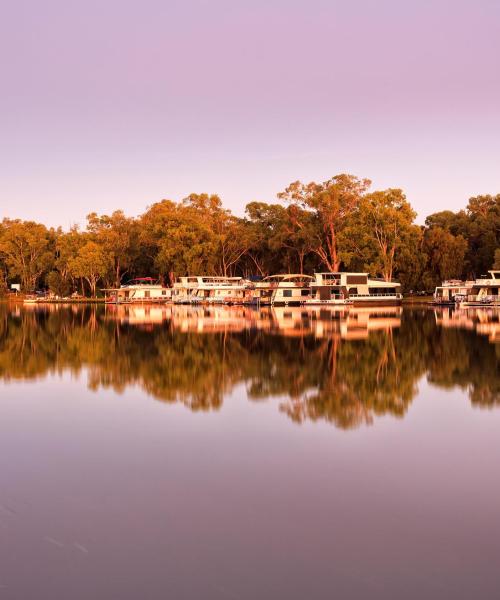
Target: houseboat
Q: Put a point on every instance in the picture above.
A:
(282, 290)
(327, 289)
(211, 290)
(484, 291)
(222, 290)
(184, 289)
(142, 290)
(355, 288)
(452, 292)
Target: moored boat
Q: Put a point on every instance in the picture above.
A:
(485, 291)
(141, 290)
(222, 290)
(282, 290)
(326, 289)
(451, 292)
(357, 289)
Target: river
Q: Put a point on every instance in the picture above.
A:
(212, 453)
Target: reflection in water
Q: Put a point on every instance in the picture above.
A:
(484, 321)
(466, 363)
(336, 365)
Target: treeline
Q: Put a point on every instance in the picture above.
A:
(337, 224)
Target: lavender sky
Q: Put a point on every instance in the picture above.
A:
(117, 104)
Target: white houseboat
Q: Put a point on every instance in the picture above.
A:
(142, 290)
(327, 289)
(355, 288)
(184, 289)
(222, 290)
(452, 291)
(282, 290)
(484, 291)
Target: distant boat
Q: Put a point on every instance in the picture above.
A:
(357, 289)
(451, 292)
(485, 291)
(141, 290)
(282, 290)
(221, 290)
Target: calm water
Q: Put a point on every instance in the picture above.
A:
(221, 453)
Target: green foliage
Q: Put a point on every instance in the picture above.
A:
(479, 226)
(59, 285)
(380, 231)
(92, 263)
(445, 253)
(26, 249)
(332, 203)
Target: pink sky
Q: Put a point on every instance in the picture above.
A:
(108, 105)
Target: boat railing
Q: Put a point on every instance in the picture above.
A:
(378, 295)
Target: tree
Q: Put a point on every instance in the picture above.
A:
(332, 203)
(179, 238)
(277, 234)
(26, 249)
(445, 256)
(58, 285)
(68, 245)
(496, 264)
(479, 226)
(230, 238)
(91, 264)
(382, 226)
(483, 232)
(117, 234)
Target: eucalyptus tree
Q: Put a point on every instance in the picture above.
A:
(27, 250)
(118, 234)
(445, 256)
(380, 232)
(91, 264)
(332, 203)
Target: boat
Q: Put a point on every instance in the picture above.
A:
(326, 289)
(451, 292)
(201, 289)
(485, 291)
(222, 290)
(282, 290)
(357, 289)
(141, 290)
(184, 289)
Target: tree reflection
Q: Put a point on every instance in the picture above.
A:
(317, 368)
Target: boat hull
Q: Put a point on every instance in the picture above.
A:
(289, 303)
(328, 303)
(377, 302)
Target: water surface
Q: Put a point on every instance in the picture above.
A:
(177, 452)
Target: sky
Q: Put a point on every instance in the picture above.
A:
(108, 104)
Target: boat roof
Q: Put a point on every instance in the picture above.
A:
(340, 273)
(288, 277)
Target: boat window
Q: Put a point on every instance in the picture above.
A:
(382, 290)
(356, 279)
(287, 293)
(304, 292)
